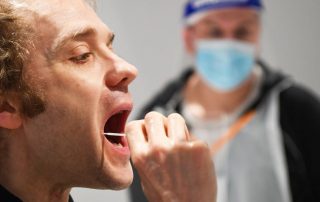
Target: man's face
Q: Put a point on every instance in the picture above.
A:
(242, 24)
(85, 88)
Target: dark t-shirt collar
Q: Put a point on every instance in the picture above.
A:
(6, 196)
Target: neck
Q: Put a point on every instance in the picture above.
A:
(214, 103)
(26, 181)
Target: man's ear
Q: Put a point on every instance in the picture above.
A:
(189, 40)
(10, 117)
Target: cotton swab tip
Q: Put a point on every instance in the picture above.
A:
(115, 134)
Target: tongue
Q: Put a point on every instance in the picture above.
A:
(114, 139)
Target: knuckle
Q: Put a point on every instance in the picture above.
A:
(176, 120)
(176, 116)
(154, 118)
(151, 115)
(199, 147)
(147, 158)
(138, 159)
(156, 150)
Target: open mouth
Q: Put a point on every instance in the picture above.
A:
(116, 124)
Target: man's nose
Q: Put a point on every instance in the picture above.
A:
(229, 36)
(121, 74)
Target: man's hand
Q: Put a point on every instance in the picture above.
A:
(172, 167)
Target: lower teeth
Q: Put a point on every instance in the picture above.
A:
(118, 144)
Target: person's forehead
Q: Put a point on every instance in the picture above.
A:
(43, 6)
(55, 10)
(61, 19)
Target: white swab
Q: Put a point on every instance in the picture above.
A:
(115, 134)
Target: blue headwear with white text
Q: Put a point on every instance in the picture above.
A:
(198, 6)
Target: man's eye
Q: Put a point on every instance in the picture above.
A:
(81, 59)
(242, 33)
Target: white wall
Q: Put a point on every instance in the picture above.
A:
(148, 35)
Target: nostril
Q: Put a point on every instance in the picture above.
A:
(122, 85)
(124, 80)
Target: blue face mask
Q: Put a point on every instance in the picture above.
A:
(224, 64)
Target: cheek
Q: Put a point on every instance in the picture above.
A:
(81, 92)
(73, 102)
(70, 121)
(62, 136)
(255, 36)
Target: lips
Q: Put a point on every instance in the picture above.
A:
(116, 124)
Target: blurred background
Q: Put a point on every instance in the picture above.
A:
(148, 35)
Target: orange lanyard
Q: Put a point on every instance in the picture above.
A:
(232, 132)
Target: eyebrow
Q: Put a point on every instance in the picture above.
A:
(77, 34)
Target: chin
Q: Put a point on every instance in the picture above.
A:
(116, 179)
(123, 185)
(124, 179)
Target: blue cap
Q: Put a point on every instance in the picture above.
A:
(199, 6)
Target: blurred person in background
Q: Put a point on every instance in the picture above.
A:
(261, 126)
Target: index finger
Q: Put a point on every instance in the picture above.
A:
(136, 136)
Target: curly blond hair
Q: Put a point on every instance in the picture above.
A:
(16, 34)
(15, 41)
